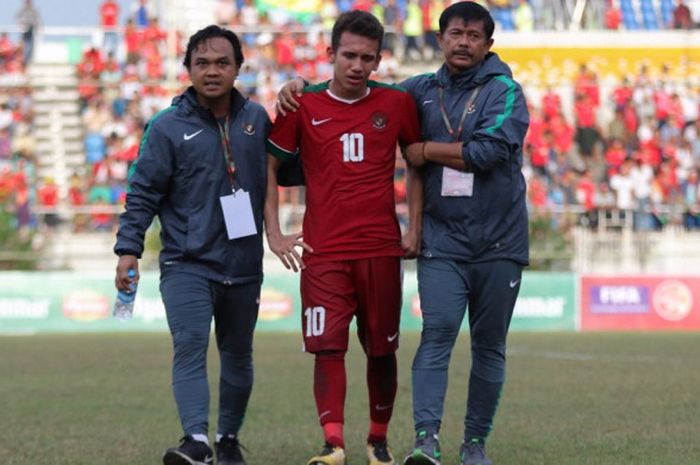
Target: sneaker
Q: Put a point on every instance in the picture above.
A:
(378, 453)
(329, 455)
(228, 451)
(473, 453)
(426, 450)
(189, 452)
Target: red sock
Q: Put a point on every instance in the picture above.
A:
(333, 433)
(381, 383)
(377, 432)
(329, 391)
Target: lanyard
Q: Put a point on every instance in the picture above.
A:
(228, 155)
(468, 108)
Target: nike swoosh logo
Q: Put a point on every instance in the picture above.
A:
(382, 407)
(208, 459)
(425, 102)
(514, 283)
(391, 338)
(316, 122)
(327, 412)
(190, 136)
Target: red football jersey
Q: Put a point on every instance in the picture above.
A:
(348, 152)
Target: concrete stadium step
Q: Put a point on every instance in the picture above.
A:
(63, 107)
(58, 126)
(52, 69)
(82, 251)
(72, 158)
(68, 135)
(58, 81)
(55, 95)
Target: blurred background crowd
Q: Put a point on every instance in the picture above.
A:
(609, 151)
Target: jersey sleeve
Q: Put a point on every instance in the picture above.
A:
(283, 140)
(410, 127)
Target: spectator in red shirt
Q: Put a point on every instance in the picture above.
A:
(613, 17)
(154, 35)
(668, 182)
(109, 19)
(631, 121)
(682, 18)
(586, 83)
(615, 155)
(363, 5)
(551, 103)
(285, 49)
(92, 64)
(7, 50)
(535, 132)
(539, 157)
(562, 133)
(133, 38)
(585, 195)
(587, 135)
(47, 197)
(537, 193)
(622, 94)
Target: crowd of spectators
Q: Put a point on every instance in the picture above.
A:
(643, 161)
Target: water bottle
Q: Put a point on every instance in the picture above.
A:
(124, 303)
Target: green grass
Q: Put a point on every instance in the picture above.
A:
(603, 399)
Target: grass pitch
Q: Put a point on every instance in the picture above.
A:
(603, 399)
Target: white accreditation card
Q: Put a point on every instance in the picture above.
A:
(457, 183)
(238, 214)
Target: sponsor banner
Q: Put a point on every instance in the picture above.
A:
(33, 302)
(640, 303)
(70, 302)
(546, 302)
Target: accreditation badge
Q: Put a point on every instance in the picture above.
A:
(238, 214)
(457, 183)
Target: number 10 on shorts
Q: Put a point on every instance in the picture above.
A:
(315, 321)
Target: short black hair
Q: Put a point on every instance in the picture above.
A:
(211, 32)
(469, 12)
(357, 22)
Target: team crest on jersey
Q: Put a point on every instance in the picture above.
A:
(379, 120)
(248, 129)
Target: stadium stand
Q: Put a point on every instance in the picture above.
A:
(613, 143)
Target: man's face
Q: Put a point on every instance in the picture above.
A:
(213, 69)
(353, 62)
(464, 45)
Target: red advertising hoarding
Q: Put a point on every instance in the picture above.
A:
(630, 303)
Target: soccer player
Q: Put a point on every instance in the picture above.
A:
(346, 131)
(475, 227)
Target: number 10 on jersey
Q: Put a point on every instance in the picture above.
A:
(353, 146)
(315, 321)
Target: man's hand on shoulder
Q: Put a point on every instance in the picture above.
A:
(287, 96)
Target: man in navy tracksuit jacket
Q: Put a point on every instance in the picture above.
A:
(475, 227)
(194, 155)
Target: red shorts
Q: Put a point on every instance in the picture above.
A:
(333, 292)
